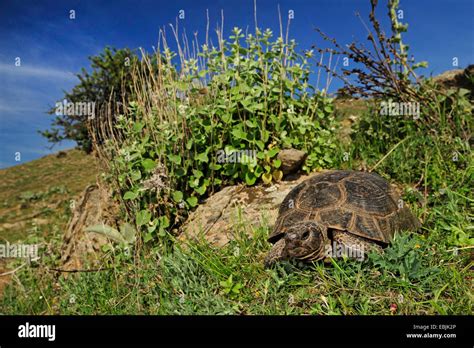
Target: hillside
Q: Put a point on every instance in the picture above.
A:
(35, 196)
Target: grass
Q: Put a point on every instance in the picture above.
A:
(35, 199)
(35, 196)
(429, 272)
(417, 273)
(430, 159)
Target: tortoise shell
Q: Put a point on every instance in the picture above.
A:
(360, 203)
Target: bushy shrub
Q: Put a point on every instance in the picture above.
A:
(415, 150)
(221, 119)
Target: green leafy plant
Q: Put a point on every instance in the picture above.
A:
(403, 258)
(244, 100)
(230, 287)
(109, 72)
(126, 235)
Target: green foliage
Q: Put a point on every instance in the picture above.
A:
(126, 234)
(231, 288)
(110, 77)
(433, 147)
(418, 273)
(404, 258)
(165, 162)
(219, 122)
(29, 196)
(453, 216)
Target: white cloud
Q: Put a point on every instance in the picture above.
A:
(4, 107)
(36, 72)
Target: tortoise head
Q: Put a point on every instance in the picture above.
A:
(303, 241)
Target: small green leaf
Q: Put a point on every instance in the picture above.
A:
(176, 159)
(260, 144)
(227, 118)
(130, 195)
(328, 109)
(215, 166)
(189, 144)
(277, 175)
(137, 127)
(239, 134)
(180, 172)
(201, 190)
(226, 283)
(197, 173)
(135, 175)
(164, 222)
(192, 201)
(148, 237)
(271, 153)
(250, 178)
(177, 196)
(202, 157)
(148, 164)
(251, 123)
(143, 217)
(152, 228)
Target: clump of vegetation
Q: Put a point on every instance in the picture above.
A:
(418, 274)
(383, 74)
(250, 95)
(108, 80)
(383, 69)
(166, 140)
(428, 150)
(29, 196)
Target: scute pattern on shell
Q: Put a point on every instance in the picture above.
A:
(361, 203)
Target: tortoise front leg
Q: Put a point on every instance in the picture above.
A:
(348, 244)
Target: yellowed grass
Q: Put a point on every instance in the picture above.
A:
(74, 171)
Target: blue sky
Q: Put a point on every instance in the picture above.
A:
(52, 47)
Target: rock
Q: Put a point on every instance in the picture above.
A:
(457, 78)
(81, 247)
(291, 160)
(235, 209)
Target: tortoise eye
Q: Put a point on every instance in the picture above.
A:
(305, 235)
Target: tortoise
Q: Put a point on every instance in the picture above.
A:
(339, 211)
